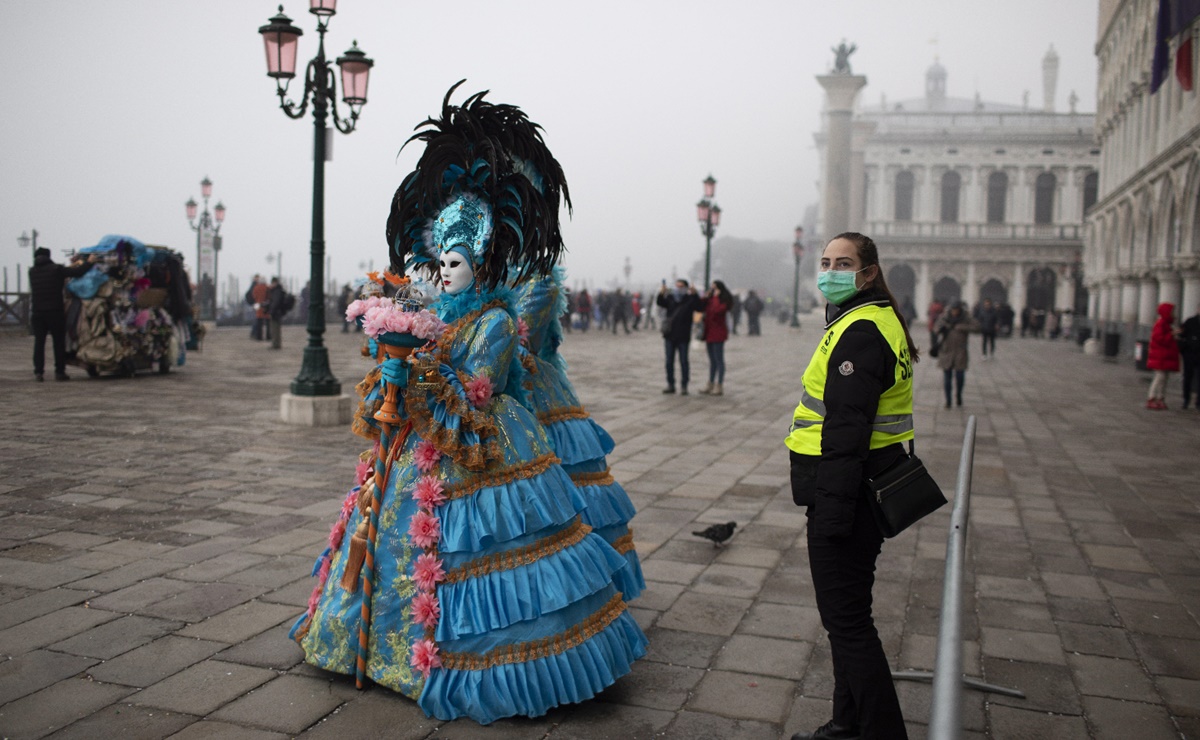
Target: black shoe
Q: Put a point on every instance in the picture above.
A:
(828, 731)
(61, 376)
(959, 400)
(38, 377)
(947, 404)
(683, 391)
(669, 389)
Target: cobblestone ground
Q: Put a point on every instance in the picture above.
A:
(156, 536)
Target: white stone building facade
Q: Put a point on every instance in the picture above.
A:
(969, 199)
(1143, 234)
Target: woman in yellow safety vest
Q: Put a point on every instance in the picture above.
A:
(855, 410)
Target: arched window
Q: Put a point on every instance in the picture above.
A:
(997, 195)
(951, 184)
(904, 195)
(1043, 202)
(1091, 189)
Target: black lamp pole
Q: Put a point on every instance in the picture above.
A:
(281, 37)
(798, 252)
(709, 215)
(23, 240)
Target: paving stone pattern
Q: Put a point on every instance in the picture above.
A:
(157, 533)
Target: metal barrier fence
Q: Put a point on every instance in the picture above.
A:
(945, 713)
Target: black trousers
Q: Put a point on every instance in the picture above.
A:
(1191, 378)
(671, 349)
(989, 343)
(843, 572)
(54, 324)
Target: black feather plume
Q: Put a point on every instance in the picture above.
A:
(496, 152)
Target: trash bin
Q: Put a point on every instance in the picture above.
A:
(1082, 334)
(1112, 344)
(1140, 350)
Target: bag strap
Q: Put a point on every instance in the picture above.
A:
(910, 448)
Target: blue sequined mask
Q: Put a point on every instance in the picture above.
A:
(467, 223)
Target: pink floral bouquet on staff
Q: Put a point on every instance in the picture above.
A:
(398, 321)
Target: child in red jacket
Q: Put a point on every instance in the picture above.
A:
(1163, 356)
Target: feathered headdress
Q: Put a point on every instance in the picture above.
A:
(485, 182)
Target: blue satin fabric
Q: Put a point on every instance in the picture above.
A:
(581, 443)
(498, 607)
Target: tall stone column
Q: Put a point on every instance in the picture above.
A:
(840, 91)
(970, 294)
(1016, 294)
(1147, 303)
(1191, 293)
(1170, 290)
(924, 290)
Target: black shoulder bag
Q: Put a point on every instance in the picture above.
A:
(903, 494)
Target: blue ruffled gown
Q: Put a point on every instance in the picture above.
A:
(581, 443)
(531, 610)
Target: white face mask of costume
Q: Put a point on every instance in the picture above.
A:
(456, 272)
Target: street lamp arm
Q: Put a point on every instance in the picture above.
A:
(290, 108)
(345, 125)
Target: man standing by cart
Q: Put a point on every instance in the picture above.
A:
(49, 315)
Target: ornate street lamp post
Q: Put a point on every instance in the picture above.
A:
(709, 215)
(23, 241)
(798, 252)
(207, 298)
(281, 39)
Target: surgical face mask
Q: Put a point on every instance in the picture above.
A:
(678, 291)
(838, 286)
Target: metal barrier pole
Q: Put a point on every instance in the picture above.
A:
(945, 713)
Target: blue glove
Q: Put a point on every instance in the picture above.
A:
(395, 371)
(372, 346)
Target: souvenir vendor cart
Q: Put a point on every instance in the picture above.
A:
(131, 312)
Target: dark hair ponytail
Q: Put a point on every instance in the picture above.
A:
(868, 254)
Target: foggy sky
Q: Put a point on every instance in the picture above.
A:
(116, 111)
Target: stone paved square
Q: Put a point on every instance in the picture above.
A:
(144, 599)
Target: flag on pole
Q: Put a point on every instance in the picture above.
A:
(1183, 64)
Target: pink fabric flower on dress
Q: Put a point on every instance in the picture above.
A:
(479, 390)
(426, 455)
(429, 492)
(426, 609)
(336, 534)
(428, 571)
(315, 597)
(349, 503)
(522, 329)
(425, 529)
(361, 471)
(425, 657)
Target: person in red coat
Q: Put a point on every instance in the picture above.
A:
(1163, 356)
(717, 303)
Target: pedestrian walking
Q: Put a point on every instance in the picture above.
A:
(753, 307)
(619, 303)
(855, 411)
(261, 293)
(679, 304)
(989, 322)
(717, 304)
(635, 308)
(1189, 352)
(952, 332)
(936, 308)
(276, 308)
(735, 314)
(1163, 356)
(584, 304)
(48, 314)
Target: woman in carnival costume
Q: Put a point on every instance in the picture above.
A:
(482, 592)
(581, 443)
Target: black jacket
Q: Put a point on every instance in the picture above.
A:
(678, 325)
(46, 281)
(1189, 339)
(839, 476)
(275, 302)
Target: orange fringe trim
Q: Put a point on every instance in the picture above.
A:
(536, 649)
(502, 561)
(624, 543)
(593, 479)
(559, 414)
(522, 471)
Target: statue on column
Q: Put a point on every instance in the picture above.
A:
(841, 57)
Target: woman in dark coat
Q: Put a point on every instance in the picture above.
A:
(717, 303)
(952, 330)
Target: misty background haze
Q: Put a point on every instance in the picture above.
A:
(117, 110)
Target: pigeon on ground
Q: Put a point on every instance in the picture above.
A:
(718, 533)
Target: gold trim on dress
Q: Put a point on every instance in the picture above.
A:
(500, 476)
(561, 414)
(593, 479)
(624, 543)
(536, 649)
(517, 557)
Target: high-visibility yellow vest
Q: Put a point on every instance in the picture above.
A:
(894, 417)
